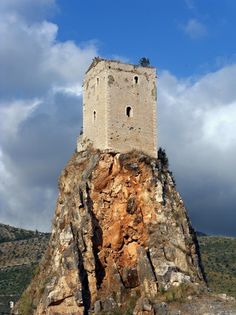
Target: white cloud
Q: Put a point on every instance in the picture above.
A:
(32, 61)
(195, 29)
(12, 113)
(197, 126)
(72, 89)
(40, 109)
(190, 4)
(219, 127)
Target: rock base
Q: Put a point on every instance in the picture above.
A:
(121, 239)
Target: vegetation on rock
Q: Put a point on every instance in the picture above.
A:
(144, 62)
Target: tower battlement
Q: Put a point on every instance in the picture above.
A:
(119, 107)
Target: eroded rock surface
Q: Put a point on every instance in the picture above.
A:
(121, 236)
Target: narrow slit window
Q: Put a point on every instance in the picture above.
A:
(136, 79)
(94, 115)
(97, 81)
(129, 112)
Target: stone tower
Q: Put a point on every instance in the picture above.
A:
(119, 107)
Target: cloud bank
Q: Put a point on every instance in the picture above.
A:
(40, 109)
(197, 126)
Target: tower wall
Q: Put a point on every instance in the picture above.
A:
(120, 107)
(131, 109)
(95, 106)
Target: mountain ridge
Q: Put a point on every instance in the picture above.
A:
(10, 233)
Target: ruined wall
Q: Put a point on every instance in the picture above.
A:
(120, 107)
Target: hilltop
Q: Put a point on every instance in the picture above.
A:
(9, 233)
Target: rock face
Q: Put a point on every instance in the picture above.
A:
(121, 238)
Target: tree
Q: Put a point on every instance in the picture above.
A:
(144, 62)
(163, 157)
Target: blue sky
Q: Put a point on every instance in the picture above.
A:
(46, 47)
(186, 37)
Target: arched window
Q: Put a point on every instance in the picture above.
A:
(129, 111)
(136, 79)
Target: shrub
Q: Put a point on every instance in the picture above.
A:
(162, 156)
(144, 62)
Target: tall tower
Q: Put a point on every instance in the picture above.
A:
(119, 107)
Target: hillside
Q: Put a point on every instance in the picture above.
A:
(20, 252)
(219, 259)
(18, 263)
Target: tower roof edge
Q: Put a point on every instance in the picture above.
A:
(96, 60)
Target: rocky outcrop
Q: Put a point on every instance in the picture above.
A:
(121, 240)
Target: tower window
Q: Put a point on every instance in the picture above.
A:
(136, 79)
(97, 81)
(129, 111)
(94, 115)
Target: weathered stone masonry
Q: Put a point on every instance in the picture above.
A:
(119, 107)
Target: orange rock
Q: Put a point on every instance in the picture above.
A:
(115, 235)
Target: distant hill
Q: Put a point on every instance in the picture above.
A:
(219, 260)
(20, 252)
(200, 233)
(9, 233)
